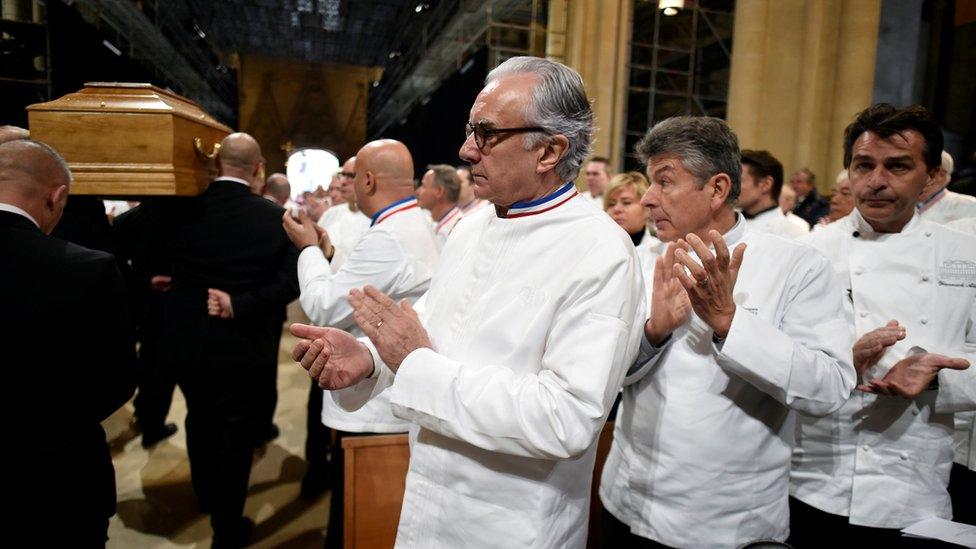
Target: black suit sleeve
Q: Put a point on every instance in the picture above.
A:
(271, 297)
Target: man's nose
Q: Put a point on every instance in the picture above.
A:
(469, 151)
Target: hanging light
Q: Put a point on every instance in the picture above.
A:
(671, 7)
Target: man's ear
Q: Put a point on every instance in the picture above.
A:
(721, 186)
(552, 153)
(369, 186)
(766, 185)
(57, 197)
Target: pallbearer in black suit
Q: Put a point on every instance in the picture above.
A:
(233, 269)
(68, 359)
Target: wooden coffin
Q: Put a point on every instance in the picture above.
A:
(130, 140)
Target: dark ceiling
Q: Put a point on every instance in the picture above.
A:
(356, 32)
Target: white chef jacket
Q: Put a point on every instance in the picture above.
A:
(595, 200)
(965, 435)
(946, 206)
(884, 461)
(773, 221)
(797, 220)
(534, 321)
(444, 226)
(398, 256)
(474, 205)
(345, 228)
(702, 442)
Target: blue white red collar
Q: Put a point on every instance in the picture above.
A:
(446, 218)
(557, 198)
(922, 206)
(393, 209)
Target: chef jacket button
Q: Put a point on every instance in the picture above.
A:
(858, 271)
(928, 233)
(866, 448)
(925, 278)
(924, 320)
(914, 411)
(864, 314)
(903, 456)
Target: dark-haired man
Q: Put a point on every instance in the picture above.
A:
(737, 340)
(881, 462)
(762, 180)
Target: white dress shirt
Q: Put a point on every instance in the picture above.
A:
(534, 320)
(702, 442)
(345, 228)
(945, 206)
(397, 255)
(884, 461)
(773, 221)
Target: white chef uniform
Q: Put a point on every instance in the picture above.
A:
(535, 318)
(773, 221)
(884, 461)
(945, 206)
(444, 226)
(702, 442)
(398, 256)
(345, 228)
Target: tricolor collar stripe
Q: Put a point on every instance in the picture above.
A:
(454, 212)
(394, 208)
(922, 206)
(544, 204)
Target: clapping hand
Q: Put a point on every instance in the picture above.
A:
(912, 375)
(871, 346)
(332, 357)
(710, 284)
(395, 329)
(670, 305)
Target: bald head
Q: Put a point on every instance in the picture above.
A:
(36, 179)
(278, 188)
(239, 156)
(384, 173)
(12, 133)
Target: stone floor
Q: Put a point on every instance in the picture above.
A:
(156, 506)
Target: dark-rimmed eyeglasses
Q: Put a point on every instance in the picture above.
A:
(483, 133)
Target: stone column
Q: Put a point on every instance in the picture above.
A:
(593, 37)
(800, 71)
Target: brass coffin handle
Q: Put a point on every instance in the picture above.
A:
(198, 146)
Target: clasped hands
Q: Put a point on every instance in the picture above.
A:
(910, 375)
(682, 285)
(338, 360)
(304, 232)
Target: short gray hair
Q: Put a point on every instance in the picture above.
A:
(446, 176)
(559, 105)
(705, 145)
(11, 157)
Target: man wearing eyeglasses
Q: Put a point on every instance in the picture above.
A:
(508, 366)
(345, 223)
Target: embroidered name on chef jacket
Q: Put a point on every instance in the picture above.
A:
(958, 273)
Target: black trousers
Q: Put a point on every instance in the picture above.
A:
(318, 438)
(811, 527)
(614, 534)
(223, 411)
(962, 490)
(156, 380)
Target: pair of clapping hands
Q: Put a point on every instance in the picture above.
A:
(338, 360)
(910, 375)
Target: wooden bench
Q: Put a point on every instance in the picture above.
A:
(376, 474)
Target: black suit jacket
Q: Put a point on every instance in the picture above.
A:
(812, 208)
(232, 240)
(68, 363)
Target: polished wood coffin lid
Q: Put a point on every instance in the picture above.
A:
(129, 139)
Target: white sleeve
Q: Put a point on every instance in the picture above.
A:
(957, 388)
(806, 362)
(377, 260)
(555, 412)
